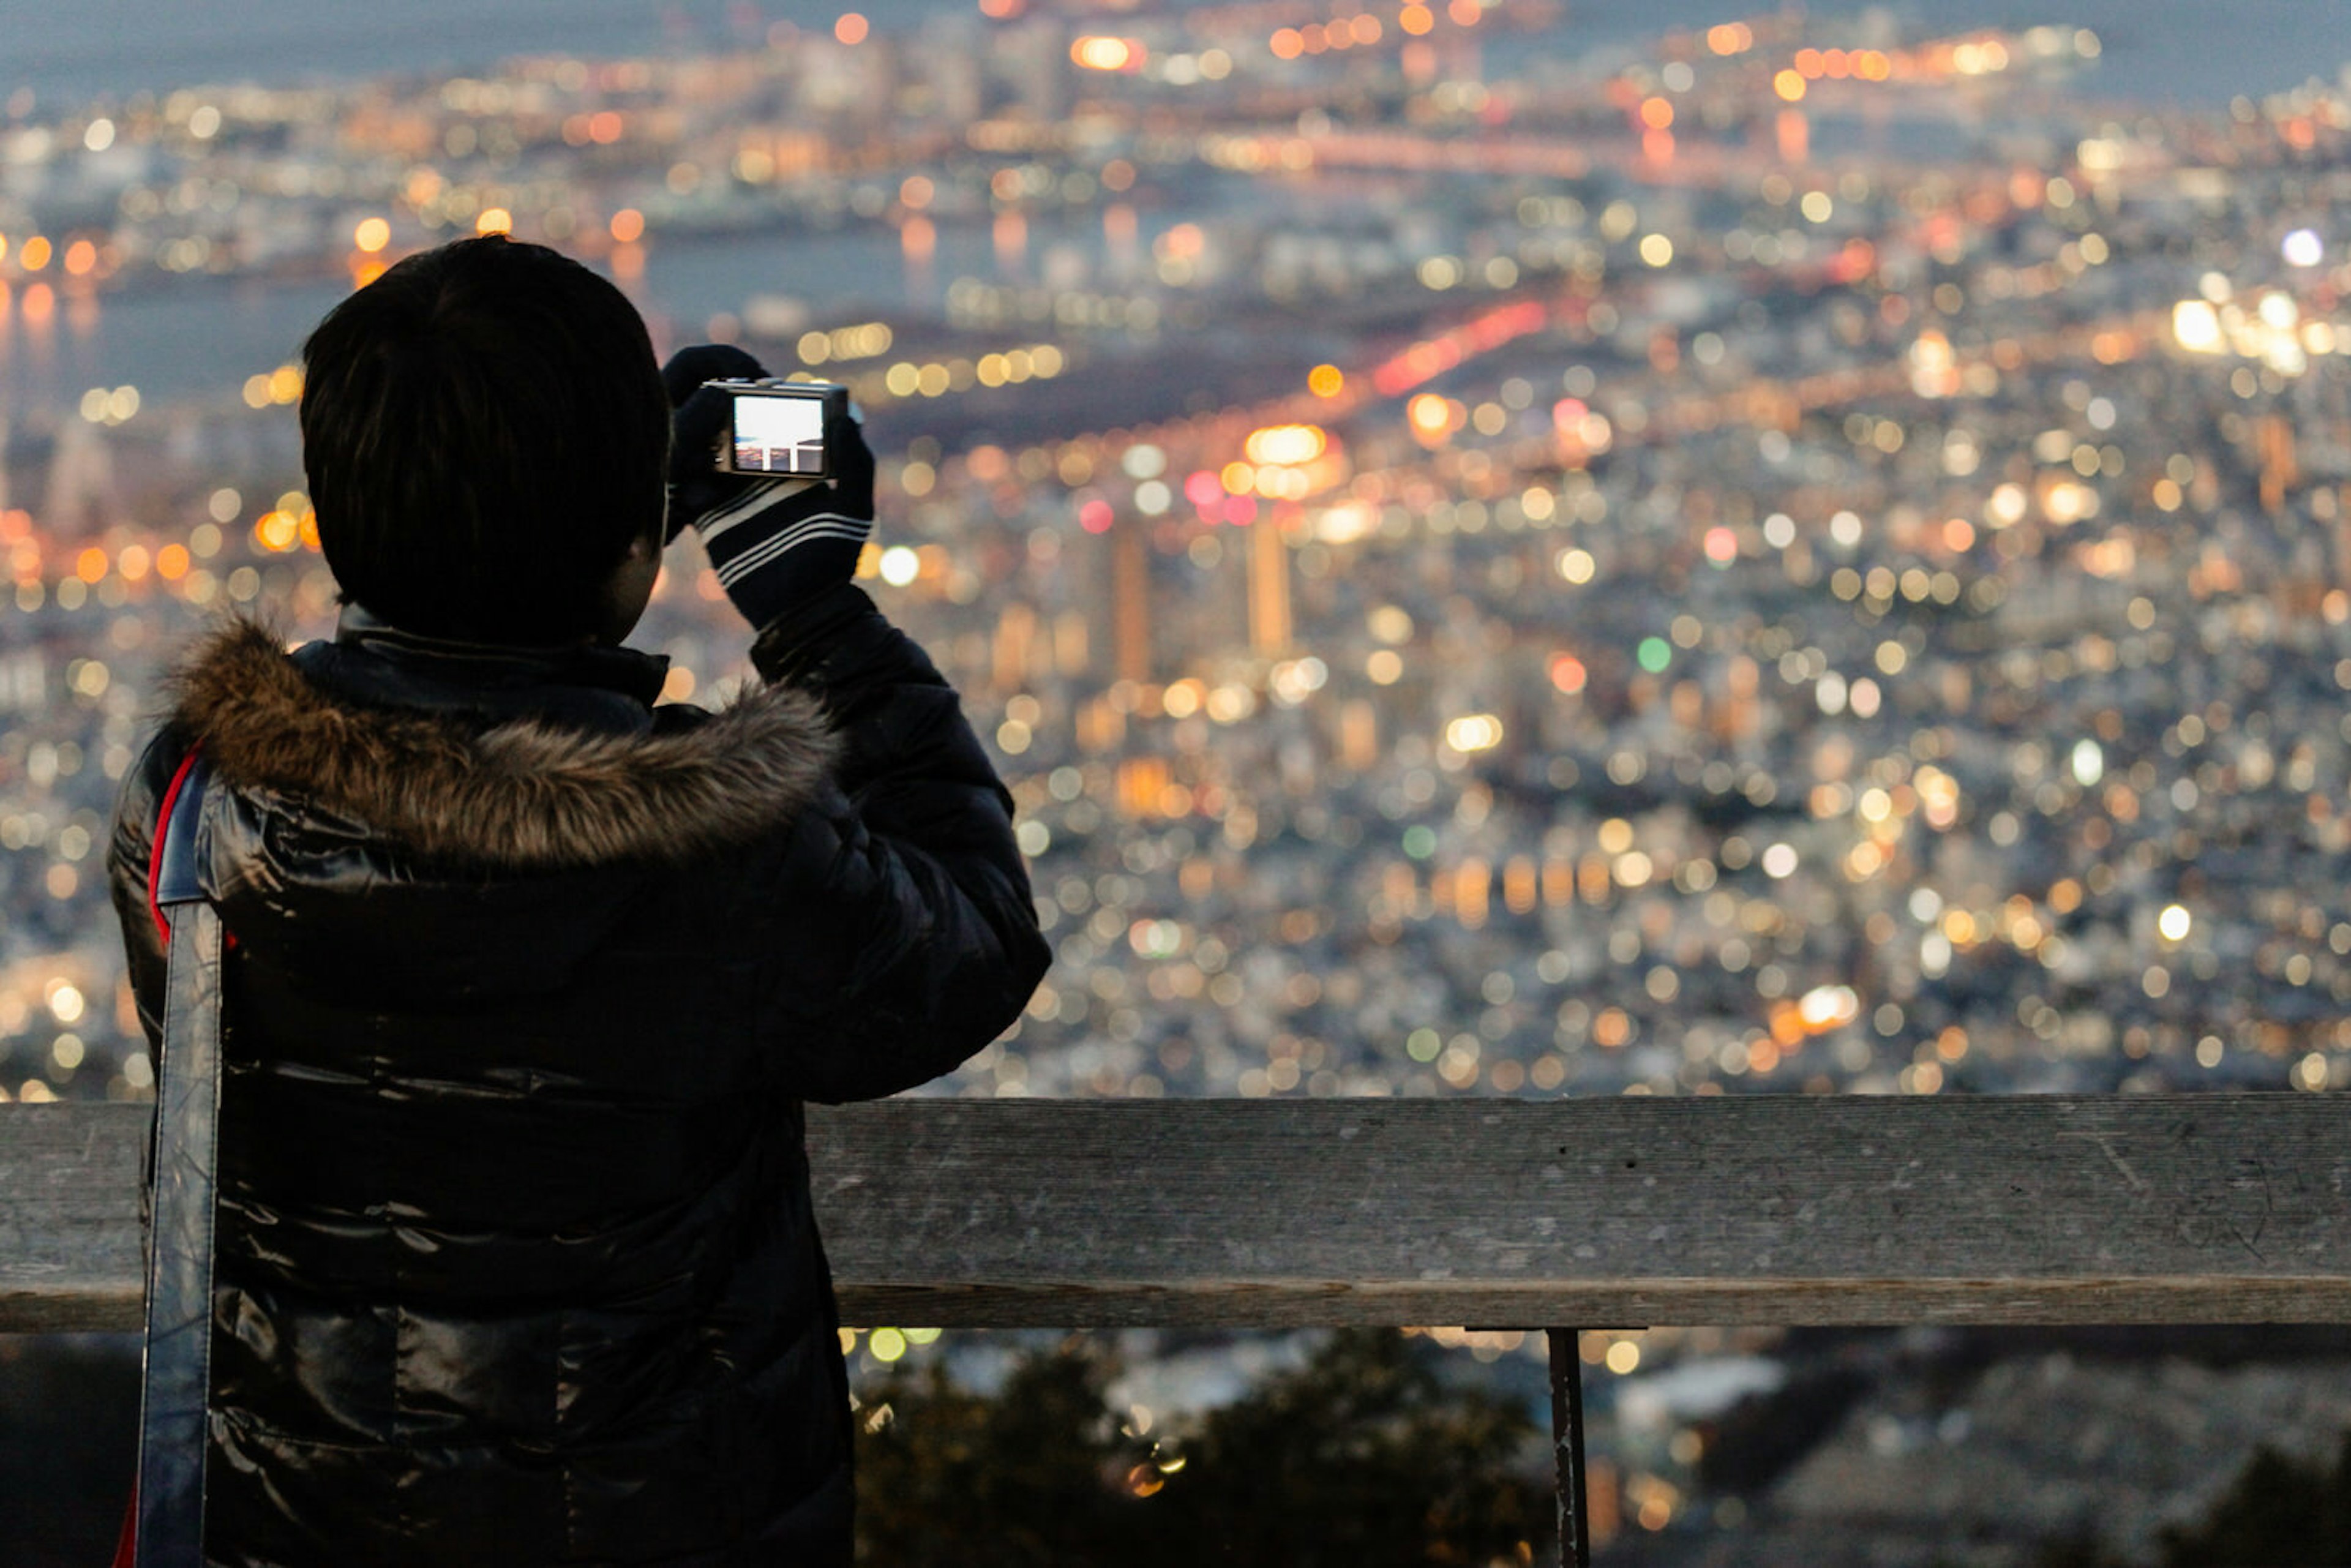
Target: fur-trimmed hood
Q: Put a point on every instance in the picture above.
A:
(519, 794)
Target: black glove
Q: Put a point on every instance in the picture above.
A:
(775, 543)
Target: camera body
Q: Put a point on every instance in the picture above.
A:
(775, 428)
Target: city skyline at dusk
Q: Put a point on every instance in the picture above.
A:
(1790, 553)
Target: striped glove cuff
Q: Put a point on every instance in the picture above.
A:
(781, 541)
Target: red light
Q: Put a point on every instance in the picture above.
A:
(1095, 517)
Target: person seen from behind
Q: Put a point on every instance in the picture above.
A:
(528, 976)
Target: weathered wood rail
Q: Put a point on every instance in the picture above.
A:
(2216, 1208)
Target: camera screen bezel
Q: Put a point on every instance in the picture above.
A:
(833, 397)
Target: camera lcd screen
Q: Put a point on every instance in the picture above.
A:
(779, 434)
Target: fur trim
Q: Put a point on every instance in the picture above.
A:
(522, 795)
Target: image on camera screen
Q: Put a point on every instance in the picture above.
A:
(779, 434)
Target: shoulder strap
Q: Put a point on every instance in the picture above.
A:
(173, 1428)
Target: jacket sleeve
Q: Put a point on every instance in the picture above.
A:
(129, 853)
(924, 943)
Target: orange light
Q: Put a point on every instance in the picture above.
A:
(851, 29)
(916, 191)
(1794, 132)
(1416, 20)
(628, 226)
(1288, 445)
(1325, 381)
(276, 532)
(1288, 44)
(1567, 673)
(39, 302)
(80, 256)
(1789, 86)
(604, 127)
(372, 236)
(171, 562)
(1730, 38)
(1825, 1008)
(1429, 415)
(1098, 52)
(1366, 28)
(494, 220)
(1465, 13)
(91, 565)
(1810, 63)
(367, 273)
(1656, 114)
(308, 530)
(34, 255)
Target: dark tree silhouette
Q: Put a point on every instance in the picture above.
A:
(1361, 1457)
(2280, 1514)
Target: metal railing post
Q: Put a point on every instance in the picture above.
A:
(1567, 1444)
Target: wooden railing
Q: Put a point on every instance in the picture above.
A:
(1614, 1213)
(1766, 1209)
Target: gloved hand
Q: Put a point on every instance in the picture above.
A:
(774, 543)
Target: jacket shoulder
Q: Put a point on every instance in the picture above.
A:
(132, 840)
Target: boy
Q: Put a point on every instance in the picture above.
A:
(528, 978)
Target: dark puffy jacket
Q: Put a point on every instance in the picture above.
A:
(528, 982)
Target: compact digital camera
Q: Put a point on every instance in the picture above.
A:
(775, 428)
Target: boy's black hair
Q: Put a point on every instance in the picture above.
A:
(486, 431)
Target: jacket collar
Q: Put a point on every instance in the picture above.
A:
(578, 685)
(481, 757)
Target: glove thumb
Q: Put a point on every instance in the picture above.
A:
(689, 368)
